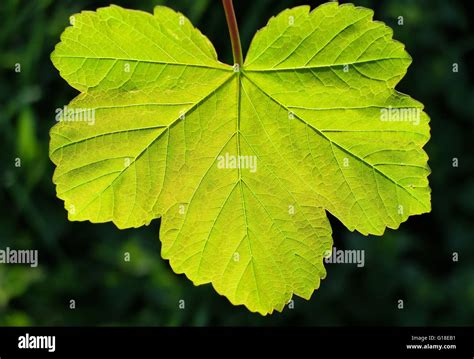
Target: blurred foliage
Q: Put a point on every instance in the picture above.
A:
(86, 262)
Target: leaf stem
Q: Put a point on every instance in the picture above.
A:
(233, 31)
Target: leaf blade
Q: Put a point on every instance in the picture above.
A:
(308, 100)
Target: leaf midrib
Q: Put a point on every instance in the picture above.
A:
(221, 67)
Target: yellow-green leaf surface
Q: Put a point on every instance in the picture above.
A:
(306, 114)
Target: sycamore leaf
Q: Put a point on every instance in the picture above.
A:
(241, 164)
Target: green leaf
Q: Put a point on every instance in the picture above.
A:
(311, 115)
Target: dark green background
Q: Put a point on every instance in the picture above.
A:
(84, 261)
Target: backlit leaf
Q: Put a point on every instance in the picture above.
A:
(240, 165)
